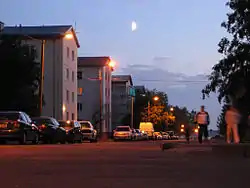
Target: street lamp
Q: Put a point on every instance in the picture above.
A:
(156, 98)
(182, 130)
(182, 126)
(171, 109)
(111, 64)
(196, 130)
(69, 36)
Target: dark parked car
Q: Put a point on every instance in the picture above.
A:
(15, 125)
(72, 130)
(50, 131)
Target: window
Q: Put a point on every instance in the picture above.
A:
(79, 91)
(68, 52)
(73, 116)
(79, 107)
(67, 115)
(79, 75)
(73, 55)
(67, 74)
(73, 97)
(67, 95)
(73, 76)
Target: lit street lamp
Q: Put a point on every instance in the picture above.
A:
(171, 109)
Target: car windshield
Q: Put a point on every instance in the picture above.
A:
(66, 124)
(43, 121)
(118, 129)
(164, 133)
(85, 125)
(137, 131)
(9, 116)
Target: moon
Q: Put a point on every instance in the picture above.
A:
(133, 26)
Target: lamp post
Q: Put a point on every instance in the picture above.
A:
(111, 64)
(41, 79)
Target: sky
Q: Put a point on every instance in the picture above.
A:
(174, 41)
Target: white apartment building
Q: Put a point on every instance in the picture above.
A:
(60, 65)
(94, 91)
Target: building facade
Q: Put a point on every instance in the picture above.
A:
(122, 100)
(94, 91)
(60, 66)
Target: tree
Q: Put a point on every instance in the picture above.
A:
(145, 100)
(182, 116)
(19, 78)
(230, 77)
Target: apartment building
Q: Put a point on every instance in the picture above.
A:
(1, 26)
(140, 90)
(94, 91)
(60, 65)
(122, 98)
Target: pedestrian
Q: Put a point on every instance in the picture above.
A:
(187, 133)
(202, 119)
(232, 118)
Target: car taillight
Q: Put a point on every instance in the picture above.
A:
(42, 127)
(16, 124)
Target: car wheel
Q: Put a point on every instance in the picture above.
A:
(80, 140)
(23, 139)
(36, 139)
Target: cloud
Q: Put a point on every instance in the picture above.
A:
(182, 90)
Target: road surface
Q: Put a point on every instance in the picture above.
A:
(119, 165)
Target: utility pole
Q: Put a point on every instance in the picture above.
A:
(148, 110)
(132, 112)
(100, 117)
(41, 78)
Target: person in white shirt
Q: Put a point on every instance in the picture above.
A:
(232, 118)
(203, 120)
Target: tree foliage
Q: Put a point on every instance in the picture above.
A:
(230, 77)
(156, 114)
(19, 78)
(141, 105)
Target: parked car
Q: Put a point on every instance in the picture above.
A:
(165, 136)
(134, 134)
(73, 130)
(157, 136)
(88, 131)
(17, 125)
(123, 133)
(139, 134)
(172, 135)
(49, 130)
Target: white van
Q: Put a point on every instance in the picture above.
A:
(147, 127)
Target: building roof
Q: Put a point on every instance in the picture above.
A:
(122, 78)
(140, 89)
(93, 61)
(41, 32)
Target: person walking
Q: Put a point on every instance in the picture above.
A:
(232, 118)
(203, 120)
(187, 133)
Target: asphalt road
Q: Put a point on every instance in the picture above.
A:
(118, 164)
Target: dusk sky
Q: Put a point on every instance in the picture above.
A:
(175, 40)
